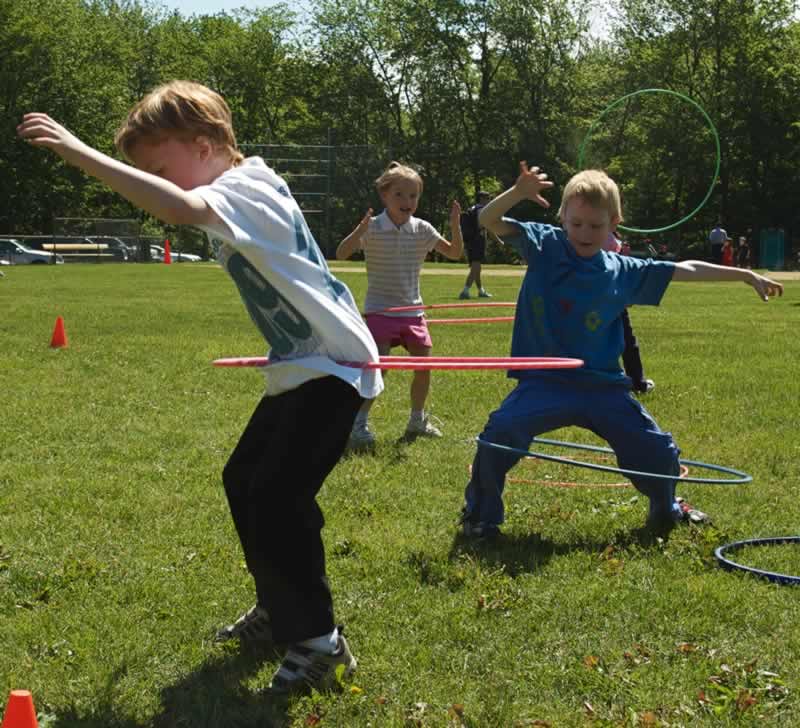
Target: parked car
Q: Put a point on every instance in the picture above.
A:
(85, 249)
(16, 253)
(113, 245)
(177, 256)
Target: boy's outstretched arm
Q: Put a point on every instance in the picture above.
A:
(453, 249)
(155, 195)
(352, 242)
(529, 186)
(697, 270)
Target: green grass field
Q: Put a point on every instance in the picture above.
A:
(118, 558)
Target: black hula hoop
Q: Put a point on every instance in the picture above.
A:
(773, 576)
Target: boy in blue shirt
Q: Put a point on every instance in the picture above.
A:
(569, 305)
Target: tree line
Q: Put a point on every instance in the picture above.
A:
(463, 88)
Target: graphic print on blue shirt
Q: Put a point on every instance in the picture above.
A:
(570, 306)
(280, 323)
(308, 246)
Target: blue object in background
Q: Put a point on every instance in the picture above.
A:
(771, 249)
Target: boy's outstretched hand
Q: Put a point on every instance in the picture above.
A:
(531, 182)
(42, 131)
(765, 287)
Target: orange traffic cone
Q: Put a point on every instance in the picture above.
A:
(59, 339)
(19, 711)
(167, 253)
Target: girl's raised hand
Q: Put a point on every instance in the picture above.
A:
(361, 228)
(531, 182)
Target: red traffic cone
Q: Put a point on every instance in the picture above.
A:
(19, 711)
(59, 339)
(167, 253)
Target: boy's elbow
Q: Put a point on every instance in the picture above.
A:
(189, 212)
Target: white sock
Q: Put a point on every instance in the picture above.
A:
(324, 643)
(361, 419)
(416, 416)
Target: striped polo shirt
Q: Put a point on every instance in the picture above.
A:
(394, 257)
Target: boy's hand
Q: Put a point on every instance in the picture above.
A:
(531, 182)
(455, 216)
(765, 287)
(42, 131)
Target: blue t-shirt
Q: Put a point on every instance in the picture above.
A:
(570, 306)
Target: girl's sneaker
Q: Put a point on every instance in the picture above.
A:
(253, 625)
(483, 293)
(303, 668)
(421, 428)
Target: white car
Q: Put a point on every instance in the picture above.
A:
(157, 253)
(15, 253)
(180, 257)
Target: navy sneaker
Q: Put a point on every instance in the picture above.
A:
(476, 530)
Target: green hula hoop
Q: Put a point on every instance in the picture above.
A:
(710, 126)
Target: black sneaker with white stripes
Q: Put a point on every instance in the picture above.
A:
(253, 626)
(303, 668)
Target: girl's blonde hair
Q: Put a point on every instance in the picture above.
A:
(597, 188)
(181, 109)
(394, 172)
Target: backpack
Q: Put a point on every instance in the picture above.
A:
(470, 230)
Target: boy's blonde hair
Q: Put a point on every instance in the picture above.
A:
(181, 109)
(597, 188)
(394, 172)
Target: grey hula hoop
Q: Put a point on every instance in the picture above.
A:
(738, 479)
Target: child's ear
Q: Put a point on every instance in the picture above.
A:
(615, 220)
(204, 147)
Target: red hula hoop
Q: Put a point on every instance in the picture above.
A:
(684, 471)
(433, 306)
(481, 320)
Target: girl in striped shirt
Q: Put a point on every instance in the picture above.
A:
(395, 245)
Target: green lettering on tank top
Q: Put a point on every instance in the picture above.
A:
(308, 246)
(280, 323)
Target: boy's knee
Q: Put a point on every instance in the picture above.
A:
(500, 432)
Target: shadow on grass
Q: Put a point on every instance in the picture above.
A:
(391, 454)
(527, 553)
(212, 696)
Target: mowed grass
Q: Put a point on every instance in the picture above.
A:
(118, 557)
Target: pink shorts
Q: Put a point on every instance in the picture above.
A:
(399, 330)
